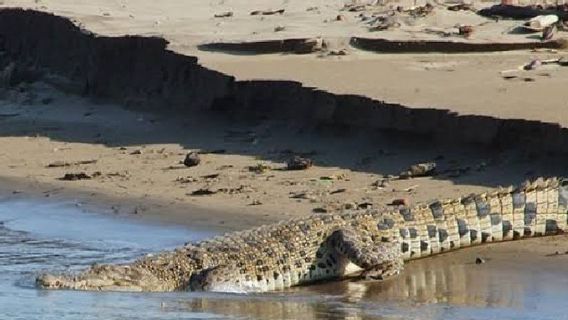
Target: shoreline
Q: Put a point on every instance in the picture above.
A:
(134, 157)
(514, 257)
(146, 210)
(130, 150)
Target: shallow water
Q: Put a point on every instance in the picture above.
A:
(38, 236)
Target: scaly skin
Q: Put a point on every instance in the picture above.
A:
(370, 244)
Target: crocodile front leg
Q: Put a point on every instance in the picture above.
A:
(378, 260)
(222, 278)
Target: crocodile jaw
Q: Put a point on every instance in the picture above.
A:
(107, 278)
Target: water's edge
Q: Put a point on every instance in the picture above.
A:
(37, 235)
(203, 218)
(140, 72)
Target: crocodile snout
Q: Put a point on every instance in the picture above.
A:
(48, 281)
(106, 278)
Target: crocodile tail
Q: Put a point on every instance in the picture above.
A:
(535, 208)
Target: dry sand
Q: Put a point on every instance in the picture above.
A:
(189, 23)
(463, 83)
(469, 84)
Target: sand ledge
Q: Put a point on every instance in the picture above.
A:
(141, 73)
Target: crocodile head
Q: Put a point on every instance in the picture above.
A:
(108, 278)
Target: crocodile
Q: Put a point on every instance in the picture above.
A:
(368, 244)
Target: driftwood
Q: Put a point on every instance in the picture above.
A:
(526, 12)
(267, 12)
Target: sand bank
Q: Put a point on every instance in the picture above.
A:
(66, 114)
(175, 105)
(142, 73)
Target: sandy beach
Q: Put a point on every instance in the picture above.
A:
(124, 159)
(133, 163)
(132, 159)
(137, 156)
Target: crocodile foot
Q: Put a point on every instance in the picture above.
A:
(383, 271)
(377, 260)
